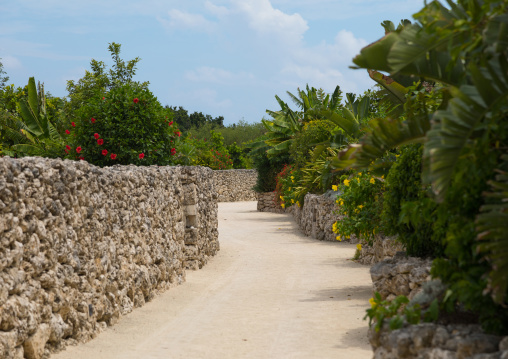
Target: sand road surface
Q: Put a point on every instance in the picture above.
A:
(270, 292)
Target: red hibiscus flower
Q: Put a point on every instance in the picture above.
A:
(96, 135)
(73, 124)
(104, 152)
(66, 150)
(173, 151)
(78, 149)
(170, 123)
(136, 100)
(68, 147)
(100, 141)
(81, 158)
(178, 133)
(93, 120)
(103, 98)
(67, 132)
(113, 156)
(141, 156)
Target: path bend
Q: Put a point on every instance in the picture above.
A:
(270, 292)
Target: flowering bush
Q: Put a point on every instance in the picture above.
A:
(123, 126)
(360, 203)
(286, 182)
(220, 160)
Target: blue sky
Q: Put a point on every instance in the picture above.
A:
(221, 57)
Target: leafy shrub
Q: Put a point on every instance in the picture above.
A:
(407, 210)
(398, 312)
(463, 268)
(237, 156)
(126, 125)
(311, 134)
(360, 203)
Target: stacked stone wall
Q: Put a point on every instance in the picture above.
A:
(317, 216)
(235, 185)
(267, 203)
(82, 245)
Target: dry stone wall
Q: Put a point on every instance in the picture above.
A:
(317, 216)
(235, 185)
(400, 276)
(267, 203)
(437, 341)
(81, 245)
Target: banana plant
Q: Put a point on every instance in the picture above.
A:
(32, 133)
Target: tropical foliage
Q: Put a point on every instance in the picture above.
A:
(31, 133)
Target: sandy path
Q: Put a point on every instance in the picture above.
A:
(271, 292)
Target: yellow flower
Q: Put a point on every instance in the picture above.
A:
(338, 238)
(334, 188)
(359, 174)
(290, 188)
(282, 205)
(298, 203)
(341, 202)
(383, 177)
(334, 227)
(358, 179)
(359, 246)
(282, 198)
(346, 182)
(292, 200)
(357, 210)
(360, 206)
(337, 201)
(372, 180)
(372, 303)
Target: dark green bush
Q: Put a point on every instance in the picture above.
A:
(462, 267)
(407, 210)
(126, 125)
(268, 168)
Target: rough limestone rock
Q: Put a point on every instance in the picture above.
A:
(81, 246)
(317, 215)
(435, 341)
(400, 276)
(267, 203)
(383, 247)
(235, 185)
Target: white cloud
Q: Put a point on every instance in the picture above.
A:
(216, 75)
(218, 11)
(264, 19)
(11, 63)
(185, 20)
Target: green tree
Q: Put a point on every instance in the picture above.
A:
(98, 80)
(3, 79)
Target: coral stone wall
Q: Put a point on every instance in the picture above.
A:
(317, 216)
(267, 203)
(82, 245)
(235, 185)
(437, 341)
